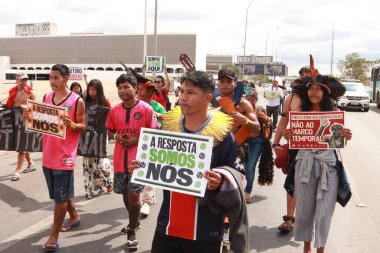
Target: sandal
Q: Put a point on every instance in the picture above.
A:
(29, 169)
(51, 246)
(288, 224)
(15, 177)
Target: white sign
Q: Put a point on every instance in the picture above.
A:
(173, 161)
(76, 73)
(154, 64)
(271, 95)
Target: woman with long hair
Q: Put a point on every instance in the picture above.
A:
(76, 88)
(316, 197)
(96, 171)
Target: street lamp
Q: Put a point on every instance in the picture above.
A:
(245, 33)
(266, 42)
(282, 42)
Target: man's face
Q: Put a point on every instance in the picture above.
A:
(126, 92)
(275, 83)
(143, 92)
(22, 82)
(226, 86)
(192, 99)
(57, 81)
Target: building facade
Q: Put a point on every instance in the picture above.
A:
(215, 62)
(36, 29)
(94, 52)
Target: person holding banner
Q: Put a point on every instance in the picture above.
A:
(273, 106)
(124, 124)
(145, 91)
(18, 96)
(96, 171)
(184, 224)
(316, 177)
(59, 155)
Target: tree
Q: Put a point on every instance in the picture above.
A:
(354, 67)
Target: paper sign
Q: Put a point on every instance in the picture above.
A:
(173, 161)
(154, 64)
(316, 130)
(271, 95)
(76, 73)
(46, 119)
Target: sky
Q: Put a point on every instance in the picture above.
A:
(289, 30)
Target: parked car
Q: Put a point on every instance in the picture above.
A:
(356, 96)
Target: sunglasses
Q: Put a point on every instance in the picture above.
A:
(157, 81)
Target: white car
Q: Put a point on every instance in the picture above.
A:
(356, 96)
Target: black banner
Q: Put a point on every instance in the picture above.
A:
(13, 136)
(93, 142)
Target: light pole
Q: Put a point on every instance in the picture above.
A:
(155, 33)
(245, 32)
(266, 42)
(282, 42)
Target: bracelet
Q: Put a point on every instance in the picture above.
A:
(246, 121)
(72, 126)
(276, 145)
(114, 136)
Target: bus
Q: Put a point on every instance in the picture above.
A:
(374, 92)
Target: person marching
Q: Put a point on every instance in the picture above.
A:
(316, 196)
(96, 171)
(59, 155)
(124, 123)
(19, 96)
(184, 224)
(273, 106)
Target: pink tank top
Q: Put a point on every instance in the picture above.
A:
(57, 153)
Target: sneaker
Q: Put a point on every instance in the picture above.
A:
(124, 231)
(132, 242)
(144, 209)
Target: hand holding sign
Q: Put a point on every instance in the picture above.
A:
(214, 180)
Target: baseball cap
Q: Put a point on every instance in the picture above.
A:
(227, 72)
(22, 75)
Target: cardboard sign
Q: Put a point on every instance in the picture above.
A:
(47, 119)
(154, 64)
(173, 161)
(93, 141)
(76, 73)
(271, 95)
(316, 130)
(13, 136)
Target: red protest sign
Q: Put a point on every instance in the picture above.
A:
(316, 130)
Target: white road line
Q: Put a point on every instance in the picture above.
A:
(35, 228)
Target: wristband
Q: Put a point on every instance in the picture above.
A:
(276, 145)
(114, 136)
(72, 126)
(246, 121)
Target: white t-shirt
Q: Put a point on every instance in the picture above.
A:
(275, 102)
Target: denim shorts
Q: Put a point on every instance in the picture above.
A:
(60, 184)
(122, 183)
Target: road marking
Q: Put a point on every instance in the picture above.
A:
(35, 228)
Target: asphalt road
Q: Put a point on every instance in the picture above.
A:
(26, 211)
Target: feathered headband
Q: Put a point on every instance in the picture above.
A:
(333, 86)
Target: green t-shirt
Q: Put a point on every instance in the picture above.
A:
(157, 107)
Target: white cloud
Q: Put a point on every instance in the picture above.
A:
(305, 26)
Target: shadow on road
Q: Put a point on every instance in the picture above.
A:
(104, 225)
(373, 108)
(264, 238)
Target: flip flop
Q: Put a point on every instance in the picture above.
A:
(67, 226)
(15, 177)
(29, 169)
(51, 249)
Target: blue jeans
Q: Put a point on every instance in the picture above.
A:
(255, 144)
